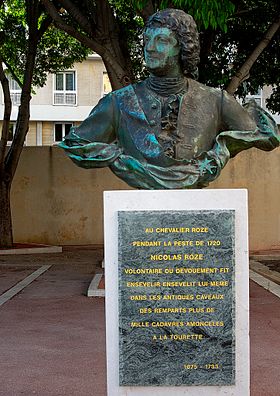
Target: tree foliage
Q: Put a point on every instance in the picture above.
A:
(231, 49)
(207, 14)
(30, 47)
(230, 30)
(55, 50)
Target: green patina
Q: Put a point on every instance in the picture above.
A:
(169, 131)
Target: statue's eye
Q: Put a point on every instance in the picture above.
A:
(146, 39)
(162, 39)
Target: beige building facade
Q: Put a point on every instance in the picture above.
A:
(66, 99)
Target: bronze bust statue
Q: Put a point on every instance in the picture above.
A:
(169, 131)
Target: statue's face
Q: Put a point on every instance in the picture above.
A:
(161, 51)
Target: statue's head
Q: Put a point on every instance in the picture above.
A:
(171, 40)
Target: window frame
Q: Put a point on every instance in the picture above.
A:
(65, 91)
(15, 93)
(257, 97)
(13, 125)
(63, 129)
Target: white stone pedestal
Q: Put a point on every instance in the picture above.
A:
(236, 200)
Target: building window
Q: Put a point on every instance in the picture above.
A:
(61, 130)
(65, 88)
(15, 91)
(106, 84)
(257, 96)
(11, 133)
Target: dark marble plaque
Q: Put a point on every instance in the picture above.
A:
(176, 298)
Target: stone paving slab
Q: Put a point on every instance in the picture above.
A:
(53, 336)
(273, 265)
(9, 276)
(265, 271)
(265, 342)
(94, 289)
(18, 287)
(36, 249)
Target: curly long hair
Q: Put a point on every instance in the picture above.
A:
(186, 32)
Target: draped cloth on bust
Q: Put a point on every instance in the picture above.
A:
(135, 154)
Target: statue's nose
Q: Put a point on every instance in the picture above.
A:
(150, 45)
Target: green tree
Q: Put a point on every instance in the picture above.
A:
(112, 28)
(234, 34)
(246, 55)
(30, 47)
(106, 27)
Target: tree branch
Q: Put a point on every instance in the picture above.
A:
(242, 13)
(147, 10)
(206, 42)
(91, 43)
(60, 24)
(11, 71)
(77, 15)
(22, 124)
(244, 71)
(7, 115)
(108, 31)
(44, 26)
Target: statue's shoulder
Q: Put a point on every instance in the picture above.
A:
(114, 98)
(196, 87)
(130, 89)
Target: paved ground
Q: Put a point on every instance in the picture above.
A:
(53, 336)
